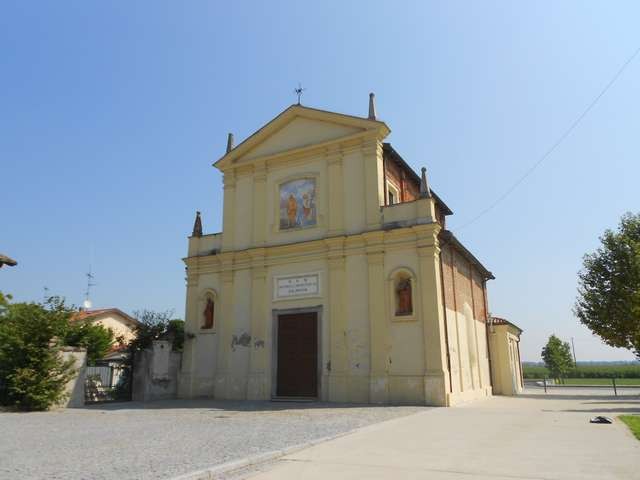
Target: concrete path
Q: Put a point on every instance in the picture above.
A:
(529, 437)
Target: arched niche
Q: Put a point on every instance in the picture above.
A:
(207, 314)
(402, 294)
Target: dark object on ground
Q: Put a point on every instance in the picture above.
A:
(600, 419)
(4, 260)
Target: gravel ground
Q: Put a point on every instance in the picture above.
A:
(160, 440)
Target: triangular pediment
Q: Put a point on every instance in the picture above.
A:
(297, 128)
(301, 132)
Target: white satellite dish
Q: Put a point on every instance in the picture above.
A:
(86, 304)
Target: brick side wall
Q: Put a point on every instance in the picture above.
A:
(468, 286)
(405, 184)
(409, 189)
(465, 310)
(479, 303)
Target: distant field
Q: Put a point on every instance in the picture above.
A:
(602, 381)
(591, 372)
(635, 382)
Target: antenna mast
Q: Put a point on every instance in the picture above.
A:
(87, 301)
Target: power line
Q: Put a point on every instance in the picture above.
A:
(555, 145)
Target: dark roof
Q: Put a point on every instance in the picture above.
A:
(504, 321)
(449, 238)
(386, 147)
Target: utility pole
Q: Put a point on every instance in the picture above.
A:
(575, 362)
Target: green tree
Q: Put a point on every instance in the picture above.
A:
(155, 326)
(175, 331)
(95, 338)
(557, 357)
(33, 373)
(609, 287)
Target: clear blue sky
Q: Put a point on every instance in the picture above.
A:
(112, 113)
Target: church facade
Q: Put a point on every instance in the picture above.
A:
(334, 277)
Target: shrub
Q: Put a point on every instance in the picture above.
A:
(31, 365)
(157, 326)
(95, 338)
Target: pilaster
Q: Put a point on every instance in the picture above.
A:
(258, 388)
(338, 391)
(191, 323)
(436, 379)
(373, 178)
(228, 222)
(379, 327)
(225, 327)
(259, 204)
(336, 192)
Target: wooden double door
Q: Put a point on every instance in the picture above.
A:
(297, 356)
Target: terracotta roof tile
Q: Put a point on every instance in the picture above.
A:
(87, 314)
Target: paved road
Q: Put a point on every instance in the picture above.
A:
(164, 439)
(530, 437)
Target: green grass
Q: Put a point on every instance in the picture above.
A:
(633, 422)
(602, 381)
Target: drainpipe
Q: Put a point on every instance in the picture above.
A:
(487, 325)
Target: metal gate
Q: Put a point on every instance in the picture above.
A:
(108, 381)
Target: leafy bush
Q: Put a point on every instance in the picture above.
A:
(157, 326)
(31, 365)
(95, 338)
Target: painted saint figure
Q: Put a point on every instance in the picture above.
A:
(208, 314)
(292, 210)
(297, 203)
(306, 206)
(405, 305)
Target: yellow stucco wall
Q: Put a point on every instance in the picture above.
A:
(504, 342)
(367, 354)
(118, 325)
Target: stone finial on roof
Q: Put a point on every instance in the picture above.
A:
(197, 226)
(425, 191)
(230, 142)
(372, 106)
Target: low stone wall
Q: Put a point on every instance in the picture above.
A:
(155, 373)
